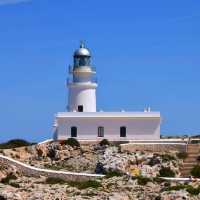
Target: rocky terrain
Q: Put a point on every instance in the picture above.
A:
(129, 176)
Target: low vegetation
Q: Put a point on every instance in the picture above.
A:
(113, 173)
(8, 178)
(166, 172)
(190, 189)
(13, 184)
(54, 180)
(53, 166)
(104, 142)
(195, 141)
(196, 171)
(85, 184)
(182, 155)
(167, 157)
(143, 180)
(72, 142)
(154, 161)
(78, 184)
(11, 144)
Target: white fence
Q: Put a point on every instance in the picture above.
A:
(36, 172)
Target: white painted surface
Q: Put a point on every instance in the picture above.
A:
(139, 126)
(109, 115)
(149, 143)
(46, 141)
(82, 94)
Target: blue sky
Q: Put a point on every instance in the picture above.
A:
(147, 53)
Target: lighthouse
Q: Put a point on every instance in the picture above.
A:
(82, 84)
(83, 122)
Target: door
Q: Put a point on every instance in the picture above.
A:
(73, 131)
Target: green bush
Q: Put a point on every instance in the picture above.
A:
(195, 141)
(85, 184)
(143, 180)
(192, 190)
(154, 161)
(16, 185)
(166, 172)
(176, 187)
(72, 142)
(113, 173)
(11, 144)
(54, 180)
(104, 142)
(167, 157)
(182, 155)
(196, 171)
(7, 179)
(188, 188)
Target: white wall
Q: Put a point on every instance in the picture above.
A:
(136, 128)
(82, 96)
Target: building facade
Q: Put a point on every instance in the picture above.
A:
(82, 121)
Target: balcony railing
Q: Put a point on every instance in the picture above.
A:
(71, 81)
(71, 69)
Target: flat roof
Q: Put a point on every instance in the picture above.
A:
(108, 114)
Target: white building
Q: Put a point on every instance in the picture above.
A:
(83, 122)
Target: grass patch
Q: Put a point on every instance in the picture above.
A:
(85, 184)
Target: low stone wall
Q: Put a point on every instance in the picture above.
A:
(154, 147)
(36, 172)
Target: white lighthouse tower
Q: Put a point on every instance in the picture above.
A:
(82, 85)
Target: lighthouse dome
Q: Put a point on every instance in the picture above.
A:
(82, 51)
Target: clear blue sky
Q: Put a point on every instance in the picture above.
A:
(146, 53)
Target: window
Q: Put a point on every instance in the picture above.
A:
(80, 108)
(73, 131)
(122, 131)
(100, 131)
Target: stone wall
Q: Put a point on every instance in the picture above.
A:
(154, 147)
(36, 172)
